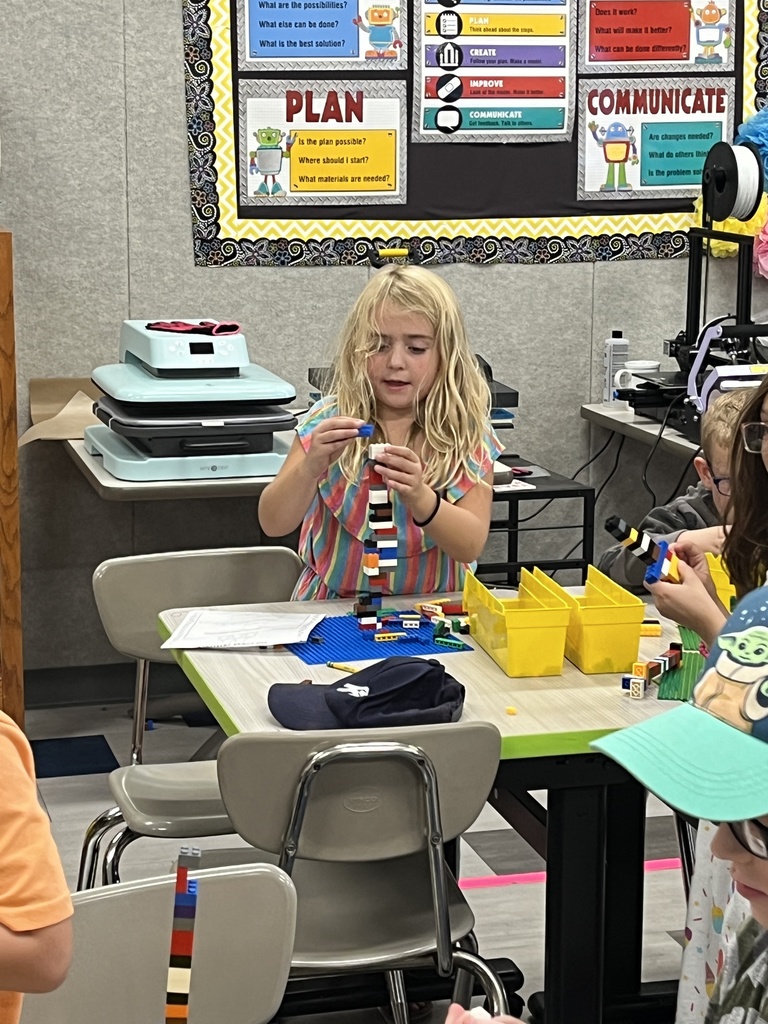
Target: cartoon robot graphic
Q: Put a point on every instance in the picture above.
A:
(617, 142)
(712, 30)
(267, 159)
(381, 29)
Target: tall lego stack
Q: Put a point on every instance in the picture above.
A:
(380, 546)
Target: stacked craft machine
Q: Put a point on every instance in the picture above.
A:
(186, 403)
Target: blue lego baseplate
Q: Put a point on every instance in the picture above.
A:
(343, 640)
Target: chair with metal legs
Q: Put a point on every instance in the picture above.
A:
(173, 801)
(358, 819)
(243, 938)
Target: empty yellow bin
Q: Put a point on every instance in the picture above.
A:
(525, 635)
(604, 628)
(725, 589)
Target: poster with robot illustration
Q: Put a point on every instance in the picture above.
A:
(324, 35)
(648, 138)
(322, 143)
(494, 70)
(635, 36)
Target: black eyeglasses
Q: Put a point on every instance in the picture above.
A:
(751, 834)
(754, 436)
(722, 483)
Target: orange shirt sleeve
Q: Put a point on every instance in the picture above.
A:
(33, 890)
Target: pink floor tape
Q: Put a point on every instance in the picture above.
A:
(537, 877)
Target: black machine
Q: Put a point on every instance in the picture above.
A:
(726, 353)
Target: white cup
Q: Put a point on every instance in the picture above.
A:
(644, 366)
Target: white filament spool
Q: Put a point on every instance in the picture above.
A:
(732, 182)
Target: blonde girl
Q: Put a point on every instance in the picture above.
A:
(405, 366)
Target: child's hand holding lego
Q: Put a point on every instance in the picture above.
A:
(401, 470)
(329, 440)
(458, 1015)
(689, 603)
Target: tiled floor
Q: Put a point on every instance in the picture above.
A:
(509, 918)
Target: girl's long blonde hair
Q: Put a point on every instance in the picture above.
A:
(453, 416)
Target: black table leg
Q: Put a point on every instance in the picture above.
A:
(624, 881)
(573, 970)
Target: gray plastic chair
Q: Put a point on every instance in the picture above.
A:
(169, 801)
(244, 929)
(131, 592)
(358, 819)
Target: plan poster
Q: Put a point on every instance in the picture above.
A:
(322, 143)
(634, 36)
(648, 138)
(493, 71)
(322, 35)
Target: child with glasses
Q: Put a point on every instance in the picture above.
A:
(709, 759)
(695, 517)
(693, 602)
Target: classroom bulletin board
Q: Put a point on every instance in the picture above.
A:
(478, 131)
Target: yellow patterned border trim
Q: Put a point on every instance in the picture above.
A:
(214, 185)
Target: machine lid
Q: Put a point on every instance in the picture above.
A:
(258, 419)
(128, 382)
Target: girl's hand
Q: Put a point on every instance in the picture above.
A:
(328, 440)
(401, 471)
(689, 604)
(458, 1015)
(708, 538)
(690, 551)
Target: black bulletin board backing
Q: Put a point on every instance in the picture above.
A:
(478, 203)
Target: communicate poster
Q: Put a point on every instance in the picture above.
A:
(633, 36)
(644, 138)
(322, 35)
(494, 71)
(322, 143)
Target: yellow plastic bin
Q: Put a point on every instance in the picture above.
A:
(525, 635)
(725, 589)
(604, 629)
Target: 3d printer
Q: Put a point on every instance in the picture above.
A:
(725, 353)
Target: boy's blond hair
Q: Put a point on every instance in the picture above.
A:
(719, 422)
(453, 416)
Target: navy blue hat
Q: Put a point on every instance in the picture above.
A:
(393, 692)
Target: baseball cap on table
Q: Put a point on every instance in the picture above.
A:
(392, 692)
(709, 758)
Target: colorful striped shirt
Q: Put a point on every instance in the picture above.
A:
(336, 524)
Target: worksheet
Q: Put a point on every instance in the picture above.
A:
(222, 628)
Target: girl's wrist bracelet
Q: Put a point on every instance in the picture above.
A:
(433, 513)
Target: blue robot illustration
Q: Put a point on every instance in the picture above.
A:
(381, 29)
(617, 142)
(712, 30)
(267, 159)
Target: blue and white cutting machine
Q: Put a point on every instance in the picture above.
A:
(185, 403)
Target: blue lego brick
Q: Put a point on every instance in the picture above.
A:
(366, 430)
(343, 640)
(654, 572)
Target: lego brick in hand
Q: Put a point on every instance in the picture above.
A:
(664, 568)
(638, 542)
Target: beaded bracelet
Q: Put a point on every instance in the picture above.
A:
(431, 516)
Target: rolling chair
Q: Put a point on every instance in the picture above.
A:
(243, 939)
(170, 801)
(357, 821)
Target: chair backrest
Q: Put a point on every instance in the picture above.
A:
(358, 811)
(130, 592)
(241, 956)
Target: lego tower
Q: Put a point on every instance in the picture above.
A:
(380, 546)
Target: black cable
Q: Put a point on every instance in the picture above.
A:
(597, 495)
(615, 467)
(589, 463)
(656, 445)
(679, 483)
(533, 515)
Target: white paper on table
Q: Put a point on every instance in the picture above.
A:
(217, 628)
